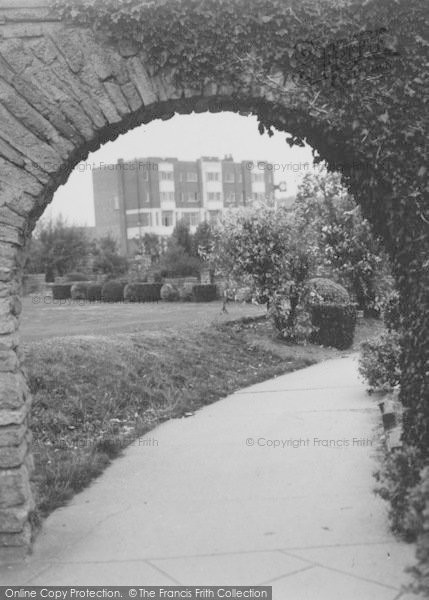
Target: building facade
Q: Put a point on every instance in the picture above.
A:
(151, 195)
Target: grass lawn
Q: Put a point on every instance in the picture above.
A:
(95, 394)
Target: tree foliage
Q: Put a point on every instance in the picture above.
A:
(328, 217)
(260, 247)
(56, 248)
(106, 257)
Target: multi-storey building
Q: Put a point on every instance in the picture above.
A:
(151, 195)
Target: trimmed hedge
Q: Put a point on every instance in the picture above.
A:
(76, 276)
(93, 292)
(335, 325)
(61, 291)
(113, 291)
(142, 292)
(204, 292)
(327, 291)
(79, 290)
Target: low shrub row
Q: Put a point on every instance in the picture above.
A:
(118, 291)
(204, 292)
(142, 292)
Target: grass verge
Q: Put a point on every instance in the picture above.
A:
(93, 395)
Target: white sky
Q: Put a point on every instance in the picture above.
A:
(186, 137)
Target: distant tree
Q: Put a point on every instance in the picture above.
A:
(182, 236)
(179, 259)
(175, 262)
(56, 248)
(106, 257)
(202, 239)
(152, 246)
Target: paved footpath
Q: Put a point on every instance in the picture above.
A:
(206, 500)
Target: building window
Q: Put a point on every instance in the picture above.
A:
(229, 177)
(230, 198)
(213, 176)
(167, 218)
(191, 219)
(258, 177)
(258, 196)
(192, 176)
(189, 197)
(166, 175)
(214, 196)
(166, 196)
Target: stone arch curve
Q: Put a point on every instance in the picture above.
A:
(66, 88)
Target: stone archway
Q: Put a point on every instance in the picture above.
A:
(66, 87)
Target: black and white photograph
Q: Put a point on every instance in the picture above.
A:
(214, 299)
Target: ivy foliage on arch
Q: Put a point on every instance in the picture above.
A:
(353, 77)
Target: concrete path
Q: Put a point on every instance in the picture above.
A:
(224, 498)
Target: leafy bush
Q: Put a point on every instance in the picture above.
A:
(76, 276)
(379, 361)
(419, 502)
(397, 479)
(392, 315)
(93, 292)
(113, 291)
(322, 290)
(79, 290)
(142, 292)
(204, 292)
(297, 329)
(61, 291)
(244, 294)
(334, 325)
(169, 293)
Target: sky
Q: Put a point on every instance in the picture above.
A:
(186, 137)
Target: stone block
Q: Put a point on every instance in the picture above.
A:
(8, 324)
(133, 97)
(13, 390)
(13, 520)
(13, 456)
(12, 435)
(14, 416)
(8, 362)
(115, 93)
(20, 538)
(141, 80)
(14, 487)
